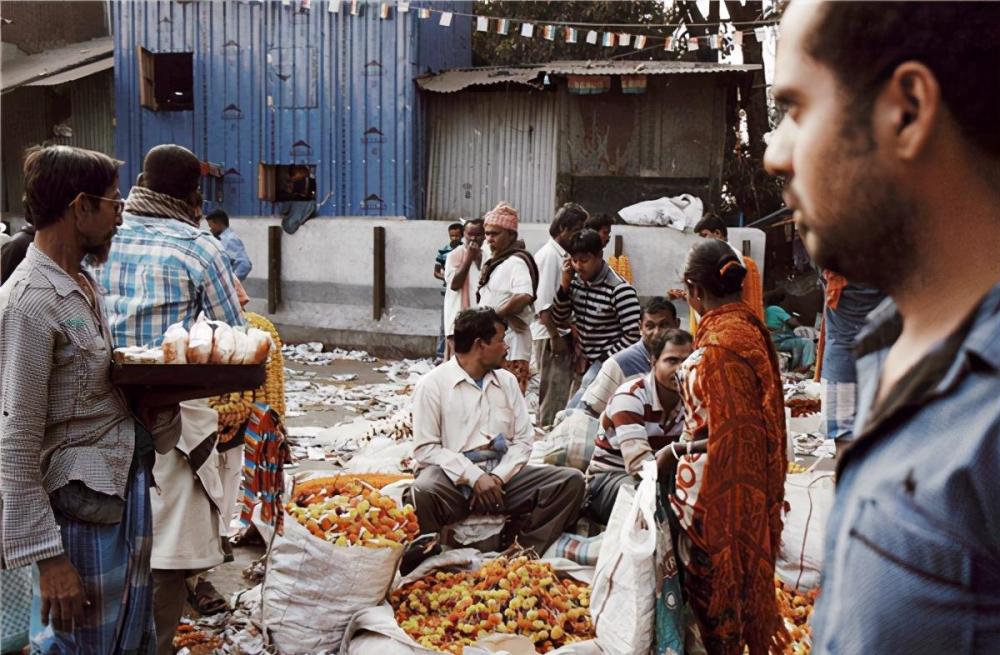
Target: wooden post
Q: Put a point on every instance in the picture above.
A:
(378, 282)
(746, 247)
(273, 268)
(619, 245)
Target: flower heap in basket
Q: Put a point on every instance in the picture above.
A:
(208, 342)
(796, 608)
(508, 595)
(350, 511)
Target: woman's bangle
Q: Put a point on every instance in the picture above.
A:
(689, 444)
(676, 456)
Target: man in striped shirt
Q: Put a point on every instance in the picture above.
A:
(602, 308)
(640, 422)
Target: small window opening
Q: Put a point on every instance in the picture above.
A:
(286, 183)
(166, 80)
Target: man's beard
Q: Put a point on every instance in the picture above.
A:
(864, 230)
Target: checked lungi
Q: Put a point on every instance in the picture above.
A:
(113, 562)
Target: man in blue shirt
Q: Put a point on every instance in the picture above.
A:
(891, 156)
(218, 223)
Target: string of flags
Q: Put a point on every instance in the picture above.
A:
(681, 39)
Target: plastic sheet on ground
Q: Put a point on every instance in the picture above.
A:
(312, 353)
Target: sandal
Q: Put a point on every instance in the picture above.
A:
(206, 599)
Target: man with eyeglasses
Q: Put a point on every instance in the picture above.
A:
(164, 269)
(76, 465)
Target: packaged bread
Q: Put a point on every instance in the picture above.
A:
(199, 348)
(127, 355)
(223, 343)
(241, 354)
(175, 344)
(151, 356)
(260, 345)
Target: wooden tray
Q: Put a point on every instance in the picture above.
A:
(179, 382)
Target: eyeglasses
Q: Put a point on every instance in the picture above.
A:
(118, 202)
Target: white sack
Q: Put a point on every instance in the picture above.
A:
(678, 212)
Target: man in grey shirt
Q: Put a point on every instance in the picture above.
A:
(75, 482)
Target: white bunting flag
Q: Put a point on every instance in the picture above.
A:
(527, 30)
(592, 37)
(355, 8)
(738, 38)
(482, 24)
(760, 33)
(446, 19)
(668, 43)
(383, 11)
(624, 39)
(334, 6)
(692, 44)
(424, 13)
(640, 42)
(403, 6)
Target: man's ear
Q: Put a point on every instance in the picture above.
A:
(908, 109)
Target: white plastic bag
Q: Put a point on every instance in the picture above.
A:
(223, 344)
(678, 212)
(624, 593)
(175, 344)
(199, 342)
(260, 346)
(810, 498)
(312, 588)
(570, 443)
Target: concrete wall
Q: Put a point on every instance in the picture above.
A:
(327, 276)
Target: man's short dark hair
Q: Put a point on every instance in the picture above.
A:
(218, 216)
(472, 221)
(586, 241)
(55, 175)
(570, 216)
(660, 305)
(673, 336)
(712, 223)
(864, 42)
(471, 324)
(172, 170)
(456, 226)
(598, 222)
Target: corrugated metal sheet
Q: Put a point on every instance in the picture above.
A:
(458, 79)
(277, 85)
(489, 147)
(93, 118)
(76, 73)
(22, 70)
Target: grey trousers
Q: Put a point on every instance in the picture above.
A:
(602, 490)
(541, 501)
(170, 592)
(555, 377)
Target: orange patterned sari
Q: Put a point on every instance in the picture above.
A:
(729, 500)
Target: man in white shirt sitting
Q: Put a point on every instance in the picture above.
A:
(472, 441)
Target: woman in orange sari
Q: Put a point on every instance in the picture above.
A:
(728, 497)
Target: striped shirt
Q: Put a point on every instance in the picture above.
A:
(634, 427)
(605, 311)
(62, 418)
(163, 271)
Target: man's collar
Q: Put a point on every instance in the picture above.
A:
(559, 249)
(455, 374)
(654, 392)
(600, 277)
(60, 279)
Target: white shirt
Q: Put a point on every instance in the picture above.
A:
(511, 278)
(452, 415)
(453, 299)
(549, 260)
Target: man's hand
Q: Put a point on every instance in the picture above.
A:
(487, 495)
(665, 462)
(63, 598)
(567, 274)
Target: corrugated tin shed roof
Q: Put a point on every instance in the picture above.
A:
(74, 74)
(462, 78)
(24, 70)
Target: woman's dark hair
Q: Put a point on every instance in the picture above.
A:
(676, 337)
(715, 266)
(472, 324)
(55, 175)
(586, 241)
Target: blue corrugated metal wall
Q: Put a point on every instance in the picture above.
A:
(279, 85)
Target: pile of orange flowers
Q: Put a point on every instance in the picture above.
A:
(797, 609)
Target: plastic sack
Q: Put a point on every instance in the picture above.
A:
(312, 588)
(175, 344)
(576, 548)
(679, 212)
(623, 599)
(570, 443)
(810, 499)
(260, 346)
(669, 621)
(199, 342)
(241, 347)
(15, 598)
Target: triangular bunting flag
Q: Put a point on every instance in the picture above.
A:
(609, 40)
(592, 37)
(549, 32)
(624, 39)
(668, 43)
(760, 33)
(424, 13)
(503, 26)
(355, 8)
(334, 6)
(640, 42)
(482, 24)
(571, 35)
(738, 38)
(403, 6)
(527, 30)
(692, 44)
(383, 11)
(446, 17)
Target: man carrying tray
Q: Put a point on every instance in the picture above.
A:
(163, 269)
